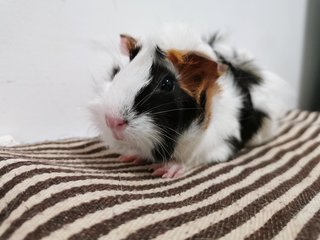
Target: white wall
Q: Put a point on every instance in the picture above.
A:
(49, 49)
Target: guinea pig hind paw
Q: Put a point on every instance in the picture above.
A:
(130, 159)
(168, 170)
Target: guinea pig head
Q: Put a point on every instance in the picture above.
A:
(157, 96)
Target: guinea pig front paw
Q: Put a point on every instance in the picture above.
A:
(168, 170)
(130, 159)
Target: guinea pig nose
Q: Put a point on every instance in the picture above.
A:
(115, 122)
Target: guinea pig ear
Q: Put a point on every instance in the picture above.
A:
(197, 72)
(196, 64)
(128, 44)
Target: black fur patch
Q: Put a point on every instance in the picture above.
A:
(235, 144)
(245, 78)
(134, 52)
(203, 99)
(246, 75)
(160, 55)
(172, 111)
(114, 71)
(251, 118)
(213, 39)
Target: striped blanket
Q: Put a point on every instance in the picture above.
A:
(76, 189)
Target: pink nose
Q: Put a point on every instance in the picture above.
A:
(117, 126)
(115, 122)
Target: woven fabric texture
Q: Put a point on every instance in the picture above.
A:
(76, 189)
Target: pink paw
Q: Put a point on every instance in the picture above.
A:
(170, 170)
(130, 159)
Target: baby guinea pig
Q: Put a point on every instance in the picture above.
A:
(181, 101)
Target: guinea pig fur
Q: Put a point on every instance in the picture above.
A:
(182, 101)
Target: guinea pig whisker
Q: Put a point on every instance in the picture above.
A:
(166, 135)
(173, 110)
(148, 137)
(164, 132)
(168, 103)
(171, 129)
(161, 146)
(160, 142)
(143, 100)
(142, 141)
(163, 150)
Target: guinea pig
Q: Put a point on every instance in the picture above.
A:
(181, 101)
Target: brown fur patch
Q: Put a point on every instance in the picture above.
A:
(211, 91)
(197, 75)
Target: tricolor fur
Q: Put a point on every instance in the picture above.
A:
(187, 100)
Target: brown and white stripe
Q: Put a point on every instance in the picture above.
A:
(75, 189)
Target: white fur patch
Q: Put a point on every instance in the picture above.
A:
(141, 135)
(197, 145)
(184, 38)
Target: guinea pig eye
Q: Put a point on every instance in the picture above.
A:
(167, 84)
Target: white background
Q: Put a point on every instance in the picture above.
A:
(50, 48)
